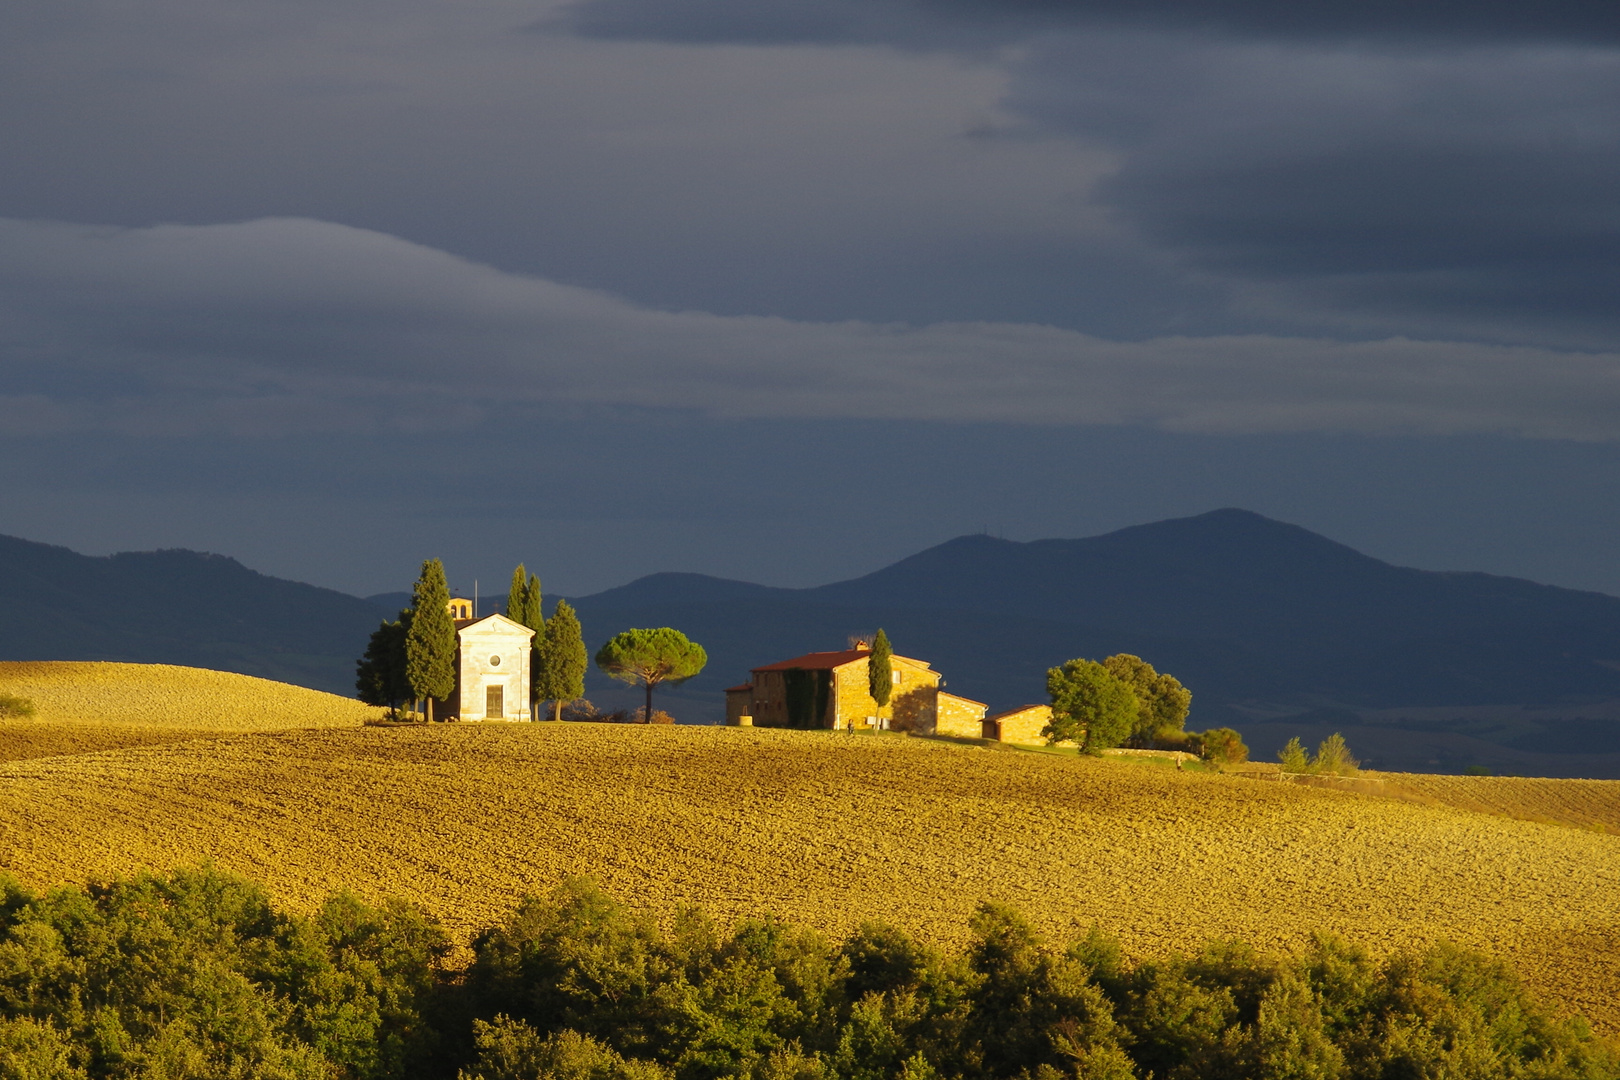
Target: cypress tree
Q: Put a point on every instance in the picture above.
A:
(880, 671)
(430, 644)
(523, 606)
(517, 597)
(531, 607)
(562, 660)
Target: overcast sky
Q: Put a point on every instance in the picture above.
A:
(788, 289)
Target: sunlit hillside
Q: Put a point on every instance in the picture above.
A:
(82, 706)
(831, 830)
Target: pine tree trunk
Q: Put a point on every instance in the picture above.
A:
(557, 716)
(647, 719)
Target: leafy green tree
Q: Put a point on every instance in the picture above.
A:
(1293, 757)
(649, 657)
(1223, 746)
(1162, 702)
(1333, 758)
(380, 677)
(1089, 706)
(35, 1050)
(880, 671)
(512, 1050)
(430, 643)
(561, 660)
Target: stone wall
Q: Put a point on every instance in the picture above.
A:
(770, 699)
(959, 716)
(911, 705)
(1022, 726)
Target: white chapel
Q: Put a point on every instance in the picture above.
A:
(492, 666)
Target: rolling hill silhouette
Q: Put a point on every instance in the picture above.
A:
(177, 607)
(1277, 630)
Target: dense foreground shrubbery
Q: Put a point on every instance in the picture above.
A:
(196, 975)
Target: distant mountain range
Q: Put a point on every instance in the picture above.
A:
(177, 607)
(1277, 631)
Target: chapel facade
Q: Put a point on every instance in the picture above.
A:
(493, 663)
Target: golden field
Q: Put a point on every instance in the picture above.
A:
(1586, 804)
(87, 706)
(830, 830)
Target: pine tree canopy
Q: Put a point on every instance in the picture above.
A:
(650, 657)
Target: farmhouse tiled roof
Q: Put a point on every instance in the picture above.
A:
(826, 661)
(740, 686)
(959, 697)
(818, 661)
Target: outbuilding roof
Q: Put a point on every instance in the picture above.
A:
(741, 686)
(1020, 709)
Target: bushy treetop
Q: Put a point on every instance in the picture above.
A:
(1089, 706)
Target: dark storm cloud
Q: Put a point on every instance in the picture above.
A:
(1473, 192)
(975, 23)
(288, 325)
(1437, 169)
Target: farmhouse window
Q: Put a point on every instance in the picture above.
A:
(494, 703)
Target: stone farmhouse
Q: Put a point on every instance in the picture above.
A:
(830, 690)
(492, 667)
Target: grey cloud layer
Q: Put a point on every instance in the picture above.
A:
(283, 325)
(961, 22)
(1428, 169)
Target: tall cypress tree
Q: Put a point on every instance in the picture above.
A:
(517, 597)
(880, 671)
(523, 603)
(430, 644)
(562, 660)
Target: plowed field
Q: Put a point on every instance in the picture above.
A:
(85, 706)
(1587, 804)
(829, 830)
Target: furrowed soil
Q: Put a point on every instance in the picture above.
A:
(86, 706)
(830, 830)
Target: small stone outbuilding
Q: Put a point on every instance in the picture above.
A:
(1022, 725)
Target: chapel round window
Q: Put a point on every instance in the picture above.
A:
(495, 661)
